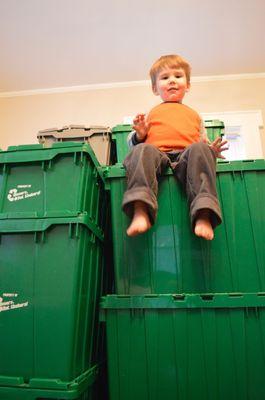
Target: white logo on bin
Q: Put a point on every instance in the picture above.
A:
(6, 304)
(15, 195)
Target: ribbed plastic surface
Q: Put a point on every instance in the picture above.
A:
(212, 351)
(60, 181)
(171, 259)
(51, 280)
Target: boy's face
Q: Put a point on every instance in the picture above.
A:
(171, 84)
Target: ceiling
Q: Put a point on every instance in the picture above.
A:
(61, 43)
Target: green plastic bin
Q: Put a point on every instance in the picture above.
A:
(189, 347)
(50, 284)
(60, 181)
(119, 138)
(120, 133)
(169, 258)
(214, 128)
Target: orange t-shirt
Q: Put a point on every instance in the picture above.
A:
(173, 126)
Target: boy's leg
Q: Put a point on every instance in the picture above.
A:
(140, 222)
(203, 227)
(143, 165)
(196, 169)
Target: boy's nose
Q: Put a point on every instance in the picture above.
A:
(172, 79)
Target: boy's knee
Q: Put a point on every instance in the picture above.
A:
(145, 147)
(138, 152)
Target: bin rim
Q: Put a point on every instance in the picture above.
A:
(91, 129)
(213, 123)
(183, 301)
(47, 387)
(122, 128)
(37, 152)
(118, 170)
(42, 224)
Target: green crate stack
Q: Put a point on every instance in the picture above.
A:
(187, 320)
(52, 223)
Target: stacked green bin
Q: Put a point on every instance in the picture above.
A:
(51, 259)
(189, 347)
(188, 321)
(39, 182)
(169, 258)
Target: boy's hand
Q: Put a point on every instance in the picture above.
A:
(140, 126)
(218, 146)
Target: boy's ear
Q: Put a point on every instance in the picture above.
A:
(188, 88)
(155, 90)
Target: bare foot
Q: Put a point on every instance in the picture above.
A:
(203, 227)
(140, 222)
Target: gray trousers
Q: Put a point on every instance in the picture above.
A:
(194, 167)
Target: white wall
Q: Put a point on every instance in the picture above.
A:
(21, 117)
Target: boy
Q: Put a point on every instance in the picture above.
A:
(172, 135)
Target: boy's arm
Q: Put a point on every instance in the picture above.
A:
(131, 139)
(140, 127)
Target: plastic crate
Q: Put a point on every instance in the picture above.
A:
(169, 258)
(185, 347)
(60, 181)
(50, 284)
(97, 136)
(120, 133)
(119, 137)
(214, 128)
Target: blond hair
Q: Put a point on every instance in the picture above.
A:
(170, 61)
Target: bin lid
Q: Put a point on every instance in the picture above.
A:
(214, 123)
(73, 131)
(37, 152)
(122, 128)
